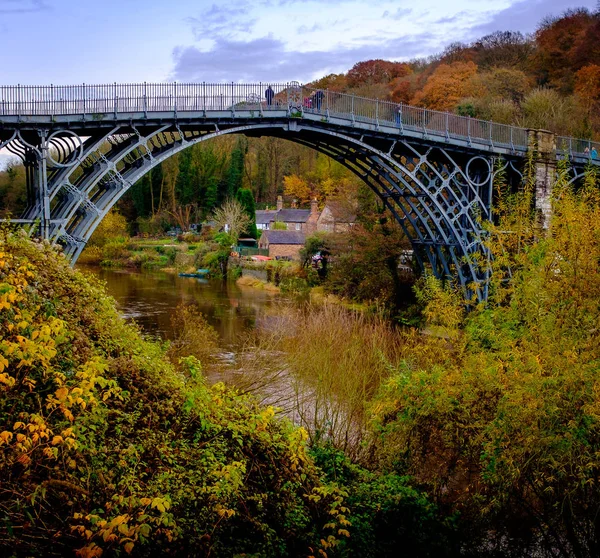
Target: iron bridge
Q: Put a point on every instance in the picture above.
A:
(84, 146)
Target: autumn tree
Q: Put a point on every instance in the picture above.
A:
(376, 71)
(503, 49)
(231, 217)
(565, 45)
(587, 84)
(446, 86)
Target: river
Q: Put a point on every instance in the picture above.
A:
(150, 298)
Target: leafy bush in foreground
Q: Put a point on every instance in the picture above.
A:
(106, 449)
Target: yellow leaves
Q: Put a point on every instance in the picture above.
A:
(61, 394)
(7, 380)
(91, 550)
(161, 504)
(128, 547)
(297, 187)
(56, 440)
(5, 437)
(224, 512)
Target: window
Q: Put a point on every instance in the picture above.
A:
(298, 226)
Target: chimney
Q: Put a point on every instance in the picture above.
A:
(279, 203)
(294, 204)
(314, 207)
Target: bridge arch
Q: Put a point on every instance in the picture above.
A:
(432, 195)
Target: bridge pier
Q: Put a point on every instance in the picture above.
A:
(542, 144)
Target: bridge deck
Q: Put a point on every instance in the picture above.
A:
(89, 108)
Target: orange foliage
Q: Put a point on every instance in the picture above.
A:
(376, 71)
(448, 84)
(587, 83)
(333, 82)
(565, 45)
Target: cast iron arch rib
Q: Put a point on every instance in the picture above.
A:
(435, 202)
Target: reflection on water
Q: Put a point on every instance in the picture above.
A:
(150, 299)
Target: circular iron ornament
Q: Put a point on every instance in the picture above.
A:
(294, 97)
(74, 138)
(468, 171)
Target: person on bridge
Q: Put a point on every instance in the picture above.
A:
(399, 114)
(318, 99)
(594, 153)
(269, 94)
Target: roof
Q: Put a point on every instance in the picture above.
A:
(341, 212)
(293, 215)
(284, 237)
(265, 216)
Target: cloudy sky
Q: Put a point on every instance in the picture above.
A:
(80, 41)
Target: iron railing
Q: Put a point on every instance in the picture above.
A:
(573, 147)
(95, 101)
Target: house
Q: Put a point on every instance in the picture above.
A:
(336, 216)
(264, 218)
(282, 244)
(303, 220)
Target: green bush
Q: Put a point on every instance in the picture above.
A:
(117, 453)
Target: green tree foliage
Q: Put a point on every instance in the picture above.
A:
(186, 188)
(13, 190)
(246, 199)
(235, 173)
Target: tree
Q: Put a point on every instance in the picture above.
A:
(232, 218)
(246, 199)
(298, 188)
(235, 173)
(565, 45)
(587, 84)
(505, 49)
(446, 86)
(185, 186)
(376, 71)
(498, 416)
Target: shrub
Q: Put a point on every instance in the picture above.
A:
(119, 454)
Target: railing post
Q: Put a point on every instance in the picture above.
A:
(469, 129)
(204, 98)
(52, 95)
(19, 101)
(491, 140)
(116, 99)
(145, 100)
(175, 99)
(377, 113)
(447, 128)
(83, 90)
(512, 145)
(232, 100)
(352, 108)
(400, 119)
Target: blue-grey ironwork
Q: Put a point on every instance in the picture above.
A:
(84, 146)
